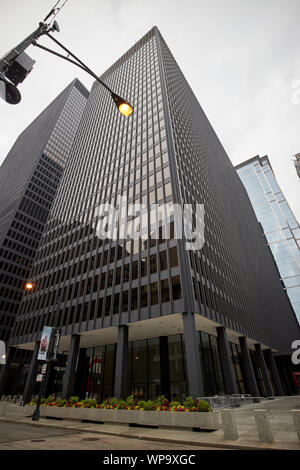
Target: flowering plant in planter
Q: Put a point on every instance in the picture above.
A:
(160, 404)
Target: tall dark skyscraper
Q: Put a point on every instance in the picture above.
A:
(29, 178)
(147, 316)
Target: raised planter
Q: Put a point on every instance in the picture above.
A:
(205, 421)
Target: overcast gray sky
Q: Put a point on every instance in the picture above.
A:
(241, 58)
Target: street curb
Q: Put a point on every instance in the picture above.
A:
(221, 445)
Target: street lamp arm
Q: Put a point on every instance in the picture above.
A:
(123, 106)
(9, 91)
(7, 59)
(60, 55)
(83, 66)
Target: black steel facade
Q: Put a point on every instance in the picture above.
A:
(29, 178)
(165, 152)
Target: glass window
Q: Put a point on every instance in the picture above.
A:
(168, 189)
(116, 303)
(163, 260)
(107, 305)
(154, 293)
(153, 264)
(135, 269)
(177, 369)
(144, 267)
(154, 368)
(102, 284)
(108, 378)
(125, 301)
(165, 293)
(118, 276)
(110, 278)
(139, 369)
(173, 256)
(144, 296)
(134, 298)
(100, 307)
(176, 287)
(126, 272)
(211, 386)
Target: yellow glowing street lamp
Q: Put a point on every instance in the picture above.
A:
(29, 286)
(123, 106)
(12, 73)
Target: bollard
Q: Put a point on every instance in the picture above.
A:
(3, 407)
(296, 419)
(263, 426)
(229, 425)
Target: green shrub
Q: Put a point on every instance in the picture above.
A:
(60, 402)
(121, 405)
(113, 401)
(174, 403)
(189, 402)
(141, 404)
(149, 405)
(73, 400)
(43, 400)
(50, 399)
(203, 406)
(130, 400)
(90, 402)
(161, 401)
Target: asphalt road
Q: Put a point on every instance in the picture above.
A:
(23, 436)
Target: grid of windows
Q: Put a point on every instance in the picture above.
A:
(29, 187)
(83, 277)
(166, 152)
(224, 279)
(280, 227)
(144, 373)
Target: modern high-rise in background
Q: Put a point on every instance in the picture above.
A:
(280, 226)
(147, 316)
(297, 163)
(29, 178)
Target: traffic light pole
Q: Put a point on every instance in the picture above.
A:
(15, 65)
(11, 75)
(36, 413)
(10, 57)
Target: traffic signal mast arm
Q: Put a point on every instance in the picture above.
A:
(11, 56)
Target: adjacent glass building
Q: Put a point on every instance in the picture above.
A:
(146, 315)
(280, 226)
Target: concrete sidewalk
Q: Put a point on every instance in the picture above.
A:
(248, 440)
(279, 411)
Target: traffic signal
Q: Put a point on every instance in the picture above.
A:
(9, 92)
(12, 75)
(19, 69)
